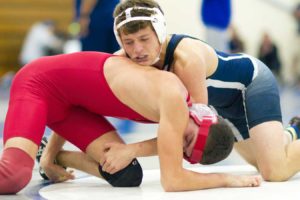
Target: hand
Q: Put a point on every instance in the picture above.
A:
(57, 173)
(244, 181)
(116, 157)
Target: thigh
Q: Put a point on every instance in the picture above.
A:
(265, 147)
(268, 145)
(25, 124)
(262, 98)
(81, 127)
(26, 118)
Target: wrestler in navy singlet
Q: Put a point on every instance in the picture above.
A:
(238, 89)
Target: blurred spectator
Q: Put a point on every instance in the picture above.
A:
(268, 54)
(297, 16)
(236, 45)
(40, 40)
(96, 25)
(216, 16)
(296, 46)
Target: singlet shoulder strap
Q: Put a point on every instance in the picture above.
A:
(174, 41)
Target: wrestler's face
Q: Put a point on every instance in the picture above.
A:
(142, 47)
(190, 136)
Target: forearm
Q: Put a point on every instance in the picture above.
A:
(170, 141)
(188, 180)
(79, 161)
(175, 178)
(53, 147)
(145, 148)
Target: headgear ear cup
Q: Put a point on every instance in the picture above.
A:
(117, 34)
(157, 20)
(159, 25)
(204, 117)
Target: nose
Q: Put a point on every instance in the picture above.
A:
(138, 48)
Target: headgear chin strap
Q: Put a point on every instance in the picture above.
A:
(157, 20)
(204, 117)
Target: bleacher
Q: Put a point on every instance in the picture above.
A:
(17, 16)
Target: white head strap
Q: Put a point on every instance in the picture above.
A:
(157, 20)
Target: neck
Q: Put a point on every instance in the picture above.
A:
(162, 55)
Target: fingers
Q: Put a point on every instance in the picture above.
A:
(59, 174)
(110, 168)
(66, 176)
(257, 181)
(244, 181)
(254, 181)
(115, 158)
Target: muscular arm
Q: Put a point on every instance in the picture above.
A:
(53, 147)
(172, 124)
(193, 75)
(54, 171)
(144, 148)
(194, 61)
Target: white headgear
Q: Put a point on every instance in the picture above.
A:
(157, 20)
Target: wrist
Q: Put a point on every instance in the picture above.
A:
(48, 157)
(134, 149)
(46, 161)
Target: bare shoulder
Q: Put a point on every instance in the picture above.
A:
(195, 53)
(140, 87)
(189, 49)
(122, 69)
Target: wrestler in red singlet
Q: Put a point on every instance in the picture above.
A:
(69, 94)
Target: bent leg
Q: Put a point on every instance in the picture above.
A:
(268, 140)
(89, 132)
(276, 160)
(15, 170)
(23, 130)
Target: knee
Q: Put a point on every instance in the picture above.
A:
(274, 173)
(130, 176)
(13, 182)
(15, 170)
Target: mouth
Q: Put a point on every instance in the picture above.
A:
(141, 59)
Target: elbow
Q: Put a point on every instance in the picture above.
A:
(171, 184)
(168, 186)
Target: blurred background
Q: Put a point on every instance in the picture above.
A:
(267, 29)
